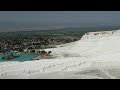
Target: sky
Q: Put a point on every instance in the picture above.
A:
(56, 19)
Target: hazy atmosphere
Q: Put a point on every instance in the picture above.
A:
(56, 19)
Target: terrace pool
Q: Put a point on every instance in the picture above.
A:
(23, 57)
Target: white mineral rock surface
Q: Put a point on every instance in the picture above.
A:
(95, 56)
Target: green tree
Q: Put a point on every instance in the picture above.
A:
(49, 52)
(43, 52)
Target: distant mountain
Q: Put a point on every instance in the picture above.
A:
(60, 28)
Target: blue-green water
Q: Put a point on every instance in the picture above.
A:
(23, 57)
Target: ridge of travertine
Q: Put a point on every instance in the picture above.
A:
(100, 34)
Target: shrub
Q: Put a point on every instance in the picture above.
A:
(49, 52)
(43, 52)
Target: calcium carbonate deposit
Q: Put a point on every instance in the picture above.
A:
(95, 56)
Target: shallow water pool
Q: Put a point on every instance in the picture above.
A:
(23, 57)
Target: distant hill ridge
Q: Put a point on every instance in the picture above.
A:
(76, 28)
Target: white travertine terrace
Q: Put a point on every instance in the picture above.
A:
(96, 55)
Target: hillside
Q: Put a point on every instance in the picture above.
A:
(96, 55)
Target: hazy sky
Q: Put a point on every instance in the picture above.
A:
(28, 19)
